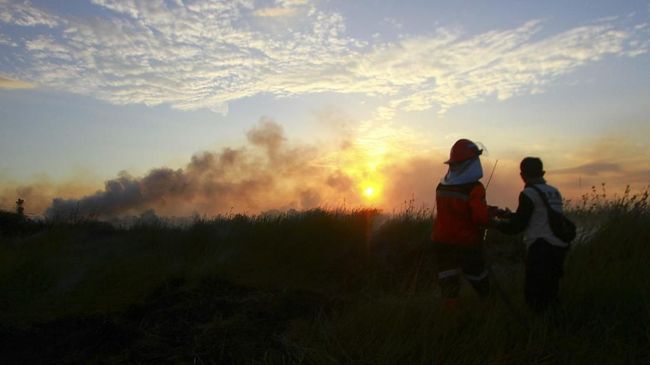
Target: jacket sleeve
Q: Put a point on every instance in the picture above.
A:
(478, 206)
(520, 219)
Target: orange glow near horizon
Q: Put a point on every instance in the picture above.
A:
(364, 162)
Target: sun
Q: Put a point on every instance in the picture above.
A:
(369, 191)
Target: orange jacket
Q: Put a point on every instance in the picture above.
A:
(462, 214)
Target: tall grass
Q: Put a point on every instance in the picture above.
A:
(88, 266)
(372, 275)
(604, 317)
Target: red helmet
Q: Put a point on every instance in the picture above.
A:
(463, 150)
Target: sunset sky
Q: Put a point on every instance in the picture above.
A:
(244, 105)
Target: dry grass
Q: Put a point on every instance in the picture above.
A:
(316, 287)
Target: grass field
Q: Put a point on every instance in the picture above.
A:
(315, 287)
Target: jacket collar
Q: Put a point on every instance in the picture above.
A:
(535, 181)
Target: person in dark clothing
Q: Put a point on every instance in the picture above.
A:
(545, 252)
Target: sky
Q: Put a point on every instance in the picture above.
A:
(113, 107)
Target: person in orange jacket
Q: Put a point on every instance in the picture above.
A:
(462, 216)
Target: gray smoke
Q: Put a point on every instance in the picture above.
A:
(268, 173)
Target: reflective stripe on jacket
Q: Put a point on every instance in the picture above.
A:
(462, 214)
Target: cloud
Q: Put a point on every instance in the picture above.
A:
(25, 14)
(393, 23)
(6, 41)
(292, 3)
(452, 70)
(594, 168)
(205, 54)
(275, 12)
(282, 8)
(618, 159)
(6, 83)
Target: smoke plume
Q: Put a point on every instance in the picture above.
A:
(267, 173)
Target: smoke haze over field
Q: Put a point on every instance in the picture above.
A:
(272, 173)
(267, 173)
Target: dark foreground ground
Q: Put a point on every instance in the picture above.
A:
(214, 322)
(316, 287)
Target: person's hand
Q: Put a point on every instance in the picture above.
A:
(493, 216)
(496, 212)
(504, 213)
(497, 216)
(493, 211)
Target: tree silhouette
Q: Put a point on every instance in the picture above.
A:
(19, 207)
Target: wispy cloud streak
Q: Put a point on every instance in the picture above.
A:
(200, 54)
(24, 14)
(7, 83)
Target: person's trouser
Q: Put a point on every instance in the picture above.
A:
(544, 268)
(454, 260)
